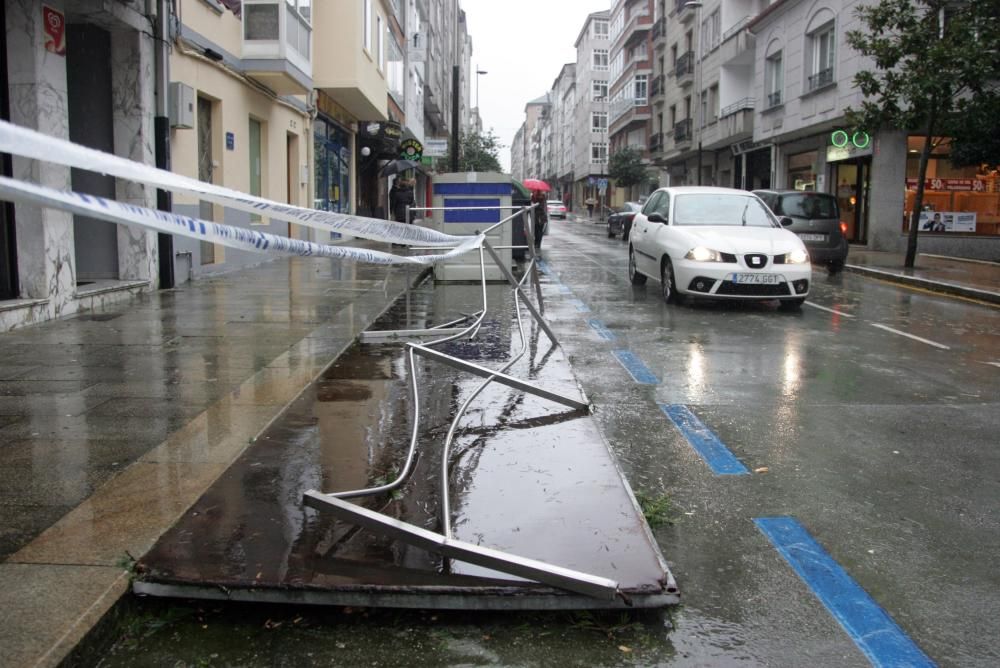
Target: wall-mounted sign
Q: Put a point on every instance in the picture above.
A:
(843, 139)
(411, 149)
(230, 141)
(55, 30)
(974, 185)
(436, 148)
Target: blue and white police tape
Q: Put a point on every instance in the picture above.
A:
(27, 143)
(226, 235)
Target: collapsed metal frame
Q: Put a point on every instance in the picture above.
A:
(444, 544)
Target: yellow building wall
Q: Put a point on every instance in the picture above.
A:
(344, 63)
(224, 29)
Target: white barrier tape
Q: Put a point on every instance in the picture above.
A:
(226, 235)
(27, 143)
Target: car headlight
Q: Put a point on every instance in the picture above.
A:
(797, 256)
(702, 254)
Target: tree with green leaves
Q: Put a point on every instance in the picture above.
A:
(625, 166)
(935, 62)
(479, 152)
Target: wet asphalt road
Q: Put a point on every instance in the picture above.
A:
(882, 447)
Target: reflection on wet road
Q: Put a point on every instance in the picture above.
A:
(870, 417)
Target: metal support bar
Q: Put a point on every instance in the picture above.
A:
(501, 378)
(527, 302)
(537, 571)
(375, 336)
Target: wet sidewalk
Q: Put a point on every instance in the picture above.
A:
(974, 279)
(113, 423)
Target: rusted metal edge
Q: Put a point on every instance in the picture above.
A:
(576, 581)
(430, 598)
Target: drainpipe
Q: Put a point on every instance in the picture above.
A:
(161, 133)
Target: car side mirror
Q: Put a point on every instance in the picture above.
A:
(785, 221)
(656, 218)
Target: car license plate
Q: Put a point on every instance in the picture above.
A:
(757, 279)
(812, 237)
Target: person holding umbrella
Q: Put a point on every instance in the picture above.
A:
(400, 197)
(541, 214)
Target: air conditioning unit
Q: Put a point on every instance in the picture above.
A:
(180, 104)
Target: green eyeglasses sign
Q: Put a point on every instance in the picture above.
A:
(840, 139)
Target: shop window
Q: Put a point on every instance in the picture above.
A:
(802, 170)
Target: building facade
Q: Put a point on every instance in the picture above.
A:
(590, 119)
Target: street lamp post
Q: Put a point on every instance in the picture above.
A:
(699, 115)
(478, 72)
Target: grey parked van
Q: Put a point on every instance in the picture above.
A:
(816, 219)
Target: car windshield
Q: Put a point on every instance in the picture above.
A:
(703, 209)
(555, 202)
(807, 205)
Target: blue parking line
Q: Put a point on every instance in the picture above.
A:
(602, 330)
(639, 371)
(869, 626)
(543, 266)
(707, 444)
(580, 306)
(564, 289)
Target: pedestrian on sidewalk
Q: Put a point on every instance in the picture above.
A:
(590, 202)
(540, 215)
(400, 197)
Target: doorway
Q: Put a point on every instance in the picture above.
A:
(851, 177)
(206, 167)
(8, 245)
(88, 79)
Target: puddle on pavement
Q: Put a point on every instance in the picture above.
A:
(528, 476)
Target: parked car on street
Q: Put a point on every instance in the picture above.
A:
(556, 209)
(719, 243)
(620, 219)
(816, 219)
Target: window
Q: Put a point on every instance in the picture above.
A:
(601, 60)
(673, 115)
(367, 28)
(703, 121)
(598, 152)
(713, 103)
(380, 37)
(600, 29)
(711, 32)
(641, 87)
(395, 75)
(598, 121)
(256, 150)
(822, 54)
(773, 79)
(600, 91)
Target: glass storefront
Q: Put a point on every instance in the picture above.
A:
(332, 158)
(956, 199)
(802, 170)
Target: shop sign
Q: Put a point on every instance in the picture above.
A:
(436, 148)
(947, 221)
(54, 23)
(411, 149)
(843, 139)
(963, 185)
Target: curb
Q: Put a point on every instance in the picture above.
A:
(927, 284)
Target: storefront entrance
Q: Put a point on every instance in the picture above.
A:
(851, 179)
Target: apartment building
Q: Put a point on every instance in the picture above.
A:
(590, 118)
(631, 67)
(69, 70)
(557, 156)
(517, 154)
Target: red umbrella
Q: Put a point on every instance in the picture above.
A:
(536, 184)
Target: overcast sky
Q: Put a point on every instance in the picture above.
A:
(522, 44)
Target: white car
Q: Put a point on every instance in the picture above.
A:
(717, 243)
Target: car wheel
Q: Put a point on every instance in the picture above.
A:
(792, 304)
(668, 285)
(611, 233)
(633, 274)
(835, 266)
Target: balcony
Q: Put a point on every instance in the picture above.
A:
(738, 44)
(684, 71)
(659, 29)
(277, 46)
(656, 143)
(657, 87)
(736, 120)
(684, 13)
(820, 79)
(626, 112)
(635, 30)
(683, 131)
(773, 99)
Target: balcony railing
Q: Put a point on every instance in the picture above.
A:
(745, 103)
(659, 29)
(773, 99)
(683, 130)
(657, 86)
(821, 78)
(685, 65)
(656, 143)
